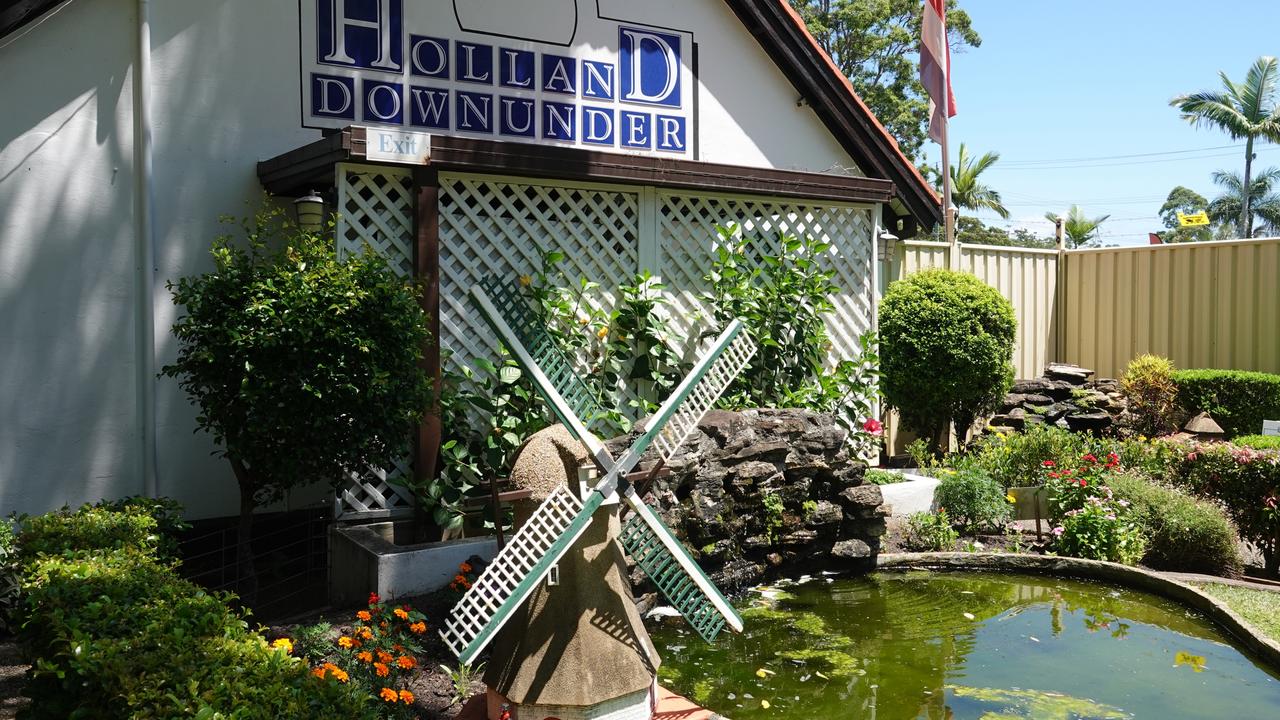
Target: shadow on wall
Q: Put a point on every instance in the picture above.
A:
(68, 415)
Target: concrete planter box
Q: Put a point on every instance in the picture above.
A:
(367, 558)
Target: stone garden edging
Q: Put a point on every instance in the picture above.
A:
(1133, 577)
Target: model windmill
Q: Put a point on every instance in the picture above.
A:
(558, 523)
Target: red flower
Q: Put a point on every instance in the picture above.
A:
(873, 426)
(1084, 483)
(1049, 463)
(1091, 457)
(1054, 475)
(1113, 457)
(374, 599)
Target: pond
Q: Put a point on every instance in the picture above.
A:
(987, 646)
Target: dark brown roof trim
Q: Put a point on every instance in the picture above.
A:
(311, 167)
(782, 34)
(17, 13)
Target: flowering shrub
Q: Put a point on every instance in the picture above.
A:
(1014, 460)
(1088, 521)
(1246, 482)
(378, 654)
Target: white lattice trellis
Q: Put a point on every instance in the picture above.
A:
(375, 210)
(688, 240)
(502, 228)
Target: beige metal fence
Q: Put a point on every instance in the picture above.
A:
(1027, 277)
(1202, 305)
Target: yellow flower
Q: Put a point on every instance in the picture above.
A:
(764, 704)
(283, 644)
(406, 697)
(1010, 498)
(364, 615)
(344, 642)
(525, 281)
(602, 333)
(389, 695)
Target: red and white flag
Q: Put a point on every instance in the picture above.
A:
(935, 67)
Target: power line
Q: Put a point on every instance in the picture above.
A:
(1120, 157)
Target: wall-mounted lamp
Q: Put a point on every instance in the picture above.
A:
(309, 210)
(888, 245)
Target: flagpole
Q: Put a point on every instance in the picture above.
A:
(948, 220)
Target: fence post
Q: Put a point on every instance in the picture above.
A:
(1060, 294)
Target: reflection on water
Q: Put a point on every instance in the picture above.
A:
(986, 646)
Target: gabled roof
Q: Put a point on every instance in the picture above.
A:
(783, 35)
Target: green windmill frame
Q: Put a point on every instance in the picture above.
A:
(562, 518)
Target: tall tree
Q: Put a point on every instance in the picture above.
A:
(1079, 229)
(1183, 200)
(1242, 110)
(1263, 199)
(970, 193)
(876, 43)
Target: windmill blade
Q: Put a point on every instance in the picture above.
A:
(518, 568)
(679, 416)
(665, 561)
(505, 310)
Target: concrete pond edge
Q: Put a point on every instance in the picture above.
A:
(1253, 641)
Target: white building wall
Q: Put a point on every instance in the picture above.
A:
(225, 95)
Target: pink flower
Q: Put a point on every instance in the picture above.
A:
(1057, 531)
(873, 426)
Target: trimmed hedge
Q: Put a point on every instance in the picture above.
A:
(1238, 400)
(1258, 442)
(113, 632)
(1184, 533)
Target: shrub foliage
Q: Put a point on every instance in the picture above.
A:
(1239, 401)
(113, 632)
(1152, 395)
(946, 342)
(1184, 533)
(973, 500)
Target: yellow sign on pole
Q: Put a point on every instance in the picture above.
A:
(1193, 219)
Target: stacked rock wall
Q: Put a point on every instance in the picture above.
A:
(1065, 397)
(763, 491)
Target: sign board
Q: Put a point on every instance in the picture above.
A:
(1271, 427)
(397, 146)
(540, 71)
(1193, 219)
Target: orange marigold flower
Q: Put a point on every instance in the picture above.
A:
(418, 628)
(385, 657)
(283, 644)
(389, 695)
(406, 662)
(401, 614)
(398, 648)
(383, 624)
(344, 642)
(366, 633)
(318, 672)
(465, 567)
(406, 697)
(364, 615)
(364, 656)
(459, 579)
(341, 675)
(357, 643)
(381, 669)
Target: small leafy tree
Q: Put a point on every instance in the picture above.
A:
(946, 345)
(1080, 229)
(304, 368)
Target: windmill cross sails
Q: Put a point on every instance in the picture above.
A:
(561, 519)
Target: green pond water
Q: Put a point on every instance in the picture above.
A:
(986, 646)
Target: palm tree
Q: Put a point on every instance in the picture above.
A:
(967, 191)
(1080, 230)
(1242, 110)
(1264, 200)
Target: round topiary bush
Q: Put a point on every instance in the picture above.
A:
(973, 500)
(946, 342)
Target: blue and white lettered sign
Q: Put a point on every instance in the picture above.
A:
(543, 71)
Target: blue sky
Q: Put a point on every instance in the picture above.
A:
(1093, 79)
